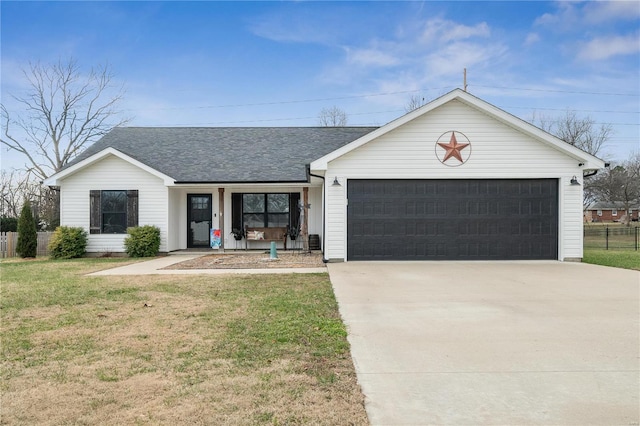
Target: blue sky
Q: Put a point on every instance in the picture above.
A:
(280, 63)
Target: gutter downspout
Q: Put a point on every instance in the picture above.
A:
(595, 171)
(323, 207)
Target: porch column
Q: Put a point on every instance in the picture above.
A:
(305, 220)
(221, 217)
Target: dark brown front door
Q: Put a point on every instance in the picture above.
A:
(198, 220)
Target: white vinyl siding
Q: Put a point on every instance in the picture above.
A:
(498, 151)
(113, 173)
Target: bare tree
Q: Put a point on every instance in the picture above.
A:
(65, 110)
(415, 102)
(16, 188)
(12, 193)
(332, 117)
(620, 184)
(581, 132)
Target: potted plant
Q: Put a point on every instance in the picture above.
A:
(293, 233)
(237, 234)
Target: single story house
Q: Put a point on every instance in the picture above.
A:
(456, 179)
(604, 211)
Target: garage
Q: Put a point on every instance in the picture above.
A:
(452, 219)
(456, 179)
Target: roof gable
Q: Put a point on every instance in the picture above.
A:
(590, 162)
(82, 164)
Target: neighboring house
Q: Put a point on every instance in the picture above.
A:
(603, 211)
(457, 178)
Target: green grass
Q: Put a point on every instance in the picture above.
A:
(183, 349)
(628, 259)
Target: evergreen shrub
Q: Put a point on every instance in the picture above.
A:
(8, 224)
(68, 242)
(142, 241)
(27, 234)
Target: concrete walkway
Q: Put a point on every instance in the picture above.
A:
(493, 343)
(154, 267)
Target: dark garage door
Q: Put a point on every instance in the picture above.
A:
(452, 219)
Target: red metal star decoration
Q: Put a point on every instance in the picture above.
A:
(453, 148)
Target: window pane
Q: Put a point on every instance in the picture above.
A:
(114, 201)
(114, 223)
(253, 220)
(114, 212)
(278, 219)
(253, 203)
(278, 203)
(200, 203)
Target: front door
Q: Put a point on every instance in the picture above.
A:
(199, 220)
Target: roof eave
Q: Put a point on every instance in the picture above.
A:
(243, 182)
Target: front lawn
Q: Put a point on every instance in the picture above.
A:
(628, 259)
(249, 349)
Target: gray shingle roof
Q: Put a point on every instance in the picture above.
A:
(227, 154)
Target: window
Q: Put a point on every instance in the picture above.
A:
(599, 212)
(113, 211)
(267, 210)
(614, 212)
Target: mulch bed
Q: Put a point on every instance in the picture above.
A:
(252, 261)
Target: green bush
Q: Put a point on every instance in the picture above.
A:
(27, 234)
(8, 224)
(142, 241)
(68, 242)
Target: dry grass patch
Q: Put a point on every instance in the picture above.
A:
(263, 349)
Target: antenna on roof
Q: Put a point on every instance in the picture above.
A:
(465, 79)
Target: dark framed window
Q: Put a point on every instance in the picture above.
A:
(113, 211)
(264, 210)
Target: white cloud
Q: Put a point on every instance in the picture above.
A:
(566, 13)
(424, 55)
(294, 29)
(605, 47)
(461, 32)
(532, 38)
(442, 30)
(375, 57)
(570, 14)
(453, 58)
(292, 33)
(604, 11)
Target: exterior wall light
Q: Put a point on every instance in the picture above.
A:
(335, 182)
(574, 181)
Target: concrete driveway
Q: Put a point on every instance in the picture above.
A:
(495, 343)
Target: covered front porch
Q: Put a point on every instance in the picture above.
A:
(215, 218)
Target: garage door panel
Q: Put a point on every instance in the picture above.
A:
(452, 219)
